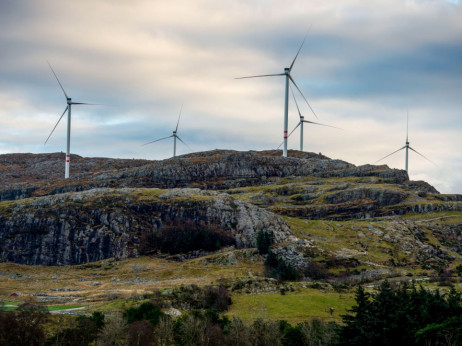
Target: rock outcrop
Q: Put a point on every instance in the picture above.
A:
(81, 227)
(41, 174)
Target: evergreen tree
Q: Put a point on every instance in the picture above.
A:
(264, 241)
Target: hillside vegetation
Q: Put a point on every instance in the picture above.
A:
(120, 232)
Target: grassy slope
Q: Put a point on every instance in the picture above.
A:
(293, 307)
(112, 285)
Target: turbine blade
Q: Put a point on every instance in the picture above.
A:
(296, 103)
(415, 151)
(56, 125)
(294, 129)
(407, 126)
(179, 118)
(279, 145)
(84, 103)
(263, 75)
(57, 80)
(157, 140)
(293, 62)
(390, 154)
(292, 80)
(184, 142)
(312, 122)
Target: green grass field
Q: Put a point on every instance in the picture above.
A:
(294, 307)
(14, 306)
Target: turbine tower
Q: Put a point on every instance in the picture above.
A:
(301, 122)
(68, 109)
(174, 135)
(288, 79)
(407, 147)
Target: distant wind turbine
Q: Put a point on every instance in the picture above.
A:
(68, 109)
(174, 135)
(301, 121)
(407, 147)
(286, 73)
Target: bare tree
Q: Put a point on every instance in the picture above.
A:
(114, 332)
(164, 331)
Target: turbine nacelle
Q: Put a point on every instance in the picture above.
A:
(288, 80)
(407, 147)
(174, 135)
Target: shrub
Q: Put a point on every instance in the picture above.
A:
(24, 326)
(210, 297)
(183, 236)
(146, 311)
(316, 271)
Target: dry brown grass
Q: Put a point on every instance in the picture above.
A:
(105, 280)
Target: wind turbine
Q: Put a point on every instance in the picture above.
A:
(407, 147)
(300, 123)
(288, 76)
(68, 109)
(174, 135)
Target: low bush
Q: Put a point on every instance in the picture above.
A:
(183, 236)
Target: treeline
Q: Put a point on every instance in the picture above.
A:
(146, 325)
(401, 315)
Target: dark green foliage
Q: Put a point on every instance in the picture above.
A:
(183, 236)
(217, 298)
(84, 333)
(264, 241)
(98, 318)
(23, 326)
(146, 311)
(459, 270)
(291, 335)
(277, 268)
(449, 332)
(395, 316)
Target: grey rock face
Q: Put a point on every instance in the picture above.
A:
(38, 175)
(88, 226)
(380, 195)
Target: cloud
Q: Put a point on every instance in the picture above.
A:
(363, 66)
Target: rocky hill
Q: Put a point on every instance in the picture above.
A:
(317, 209)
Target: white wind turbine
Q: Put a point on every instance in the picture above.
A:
(407, 147)
(286, 73)
(68, 109)
(174, 135)
(301, 122)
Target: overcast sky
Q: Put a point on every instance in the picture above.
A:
(364, 65)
